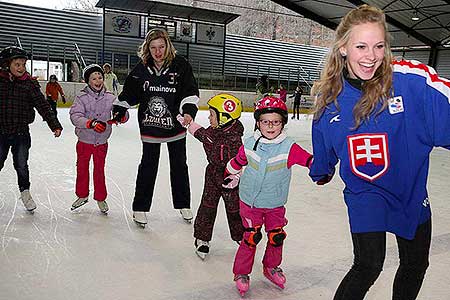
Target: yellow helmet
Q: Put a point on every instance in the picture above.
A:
(227, 107)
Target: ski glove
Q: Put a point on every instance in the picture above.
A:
(63, 99)
(231, 181)
(97, 125)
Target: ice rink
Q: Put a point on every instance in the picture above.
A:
(58, 254)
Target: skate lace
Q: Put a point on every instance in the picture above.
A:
(242, 278)
(277, 270)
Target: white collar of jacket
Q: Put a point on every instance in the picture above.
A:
(277, 140)
(90, 91)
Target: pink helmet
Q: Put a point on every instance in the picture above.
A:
(271, 104)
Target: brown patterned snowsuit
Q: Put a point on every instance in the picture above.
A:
(220, 146)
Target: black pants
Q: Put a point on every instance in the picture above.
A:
(53, 106)
(370, 250)
(20, 144)
(148, 169)
(296, 110)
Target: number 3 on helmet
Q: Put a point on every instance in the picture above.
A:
(227, 108)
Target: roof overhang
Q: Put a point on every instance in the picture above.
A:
(432, 29)
(168, 10)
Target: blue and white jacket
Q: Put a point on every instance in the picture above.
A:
(384, 163)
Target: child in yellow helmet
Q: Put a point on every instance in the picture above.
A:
(221, 141)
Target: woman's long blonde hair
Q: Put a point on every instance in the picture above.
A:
(154, 34)
(376, 90)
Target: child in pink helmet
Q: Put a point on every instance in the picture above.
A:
(263, 189)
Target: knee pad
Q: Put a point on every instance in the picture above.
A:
(276, 236)
(254, 237)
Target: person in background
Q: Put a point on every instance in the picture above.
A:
(19, 96)
(111, 82)
(283, 93)
(379, 119)
(297, 98)
(268, 157)
(221, 142)
(53, 89)
(91, 114)
(163, 85)
(262, 88)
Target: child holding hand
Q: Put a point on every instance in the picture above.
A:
(268, 157)
(91, 116)
(221, 142)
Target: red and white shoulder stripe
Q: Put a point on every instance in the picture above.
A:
(415, 67)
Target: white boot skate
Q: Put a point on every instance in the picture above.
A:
(202, 248)
(186, 213)
(140, 218)
(242, 283)
(275, 275)
(27, 200)
(79, 202)
(103, 206)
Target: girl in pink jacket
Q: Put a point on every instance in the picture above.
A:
(91, 116)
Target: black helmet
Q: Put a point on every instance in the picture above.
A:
(91, 69)
(13, 52)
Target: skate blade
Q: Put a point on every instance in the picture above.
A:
(202, 255)
(142, 225)
(280, 285)
(76, 207)
(188, 221)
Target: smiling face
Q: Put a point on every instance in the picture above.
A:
(96, 81)
(364, 50)
(158, 51)
(270, 125)
(18, 67)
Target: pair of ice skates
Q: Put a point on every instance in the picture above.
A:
(102, 205)
(140, 217)
(275, 275)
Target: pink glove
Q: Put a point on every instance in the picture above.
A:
(231, 181)
(192, 127)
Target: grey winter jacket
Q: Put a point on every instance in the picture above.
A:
(89, 105)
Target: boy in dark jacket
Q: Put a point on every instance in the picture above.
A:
(19, 96)
(221, 142)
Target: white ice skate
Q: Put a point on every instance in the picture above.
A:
(201, 248)
(140, 218)
(27, 200)
(186, 213)
(103, 206)
(79, 202)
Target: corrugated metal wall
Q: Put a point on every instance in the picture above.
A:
(245, 55)
(61, 29)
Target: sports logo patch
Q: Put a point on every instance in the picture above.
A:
(368, 155)
(396, 105)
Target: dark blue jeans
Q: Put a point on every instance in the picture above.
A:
(370, 249)
(20, 144)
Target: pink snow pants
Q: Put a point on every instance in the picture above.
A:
(271, 218)
(84, 153)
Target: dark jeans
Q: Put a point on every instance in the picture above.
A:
(53, 106)
(20, 144)
(369, 250)
(296, 110)
(148, 169)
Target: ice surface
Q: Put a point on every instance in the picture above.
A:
(58, 254)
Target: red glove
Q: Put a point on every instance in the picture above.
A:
(97, 125)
